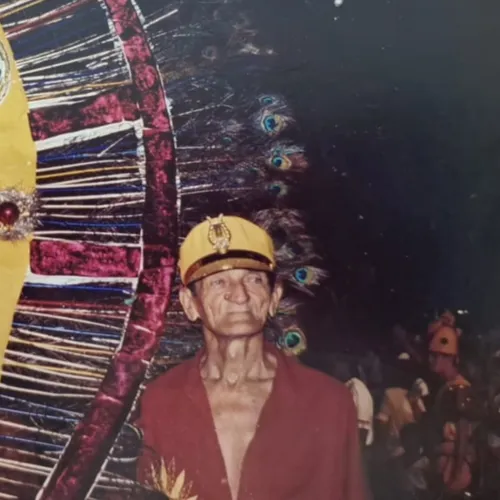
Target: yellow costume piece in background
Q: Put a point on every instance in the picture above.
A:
(17, 171)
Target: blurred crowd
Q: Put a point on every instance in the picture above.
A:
(428, 417)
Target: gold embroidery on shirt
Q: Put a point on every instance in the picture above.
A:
(166, 481)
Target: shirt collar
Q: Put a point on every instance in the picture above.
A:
(285, 385)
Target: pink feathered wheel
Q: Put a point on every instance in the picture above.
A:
(147, 118)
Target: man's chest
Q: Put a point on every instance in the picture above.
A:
(235, 428)
(236, 415)
(273, 446)
(275, 460)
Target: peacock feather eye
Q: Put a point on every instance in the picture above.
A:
(211, 53)
(279, 160)
(272, 124)
(267, 100)
(254, 172)
(294, 341)
(306, 276)
(301, 274)
(278, 188)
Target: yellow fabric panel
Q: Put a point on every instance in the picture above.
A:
(17, 171)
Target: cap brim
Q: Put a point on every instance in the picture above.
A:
(224, 264)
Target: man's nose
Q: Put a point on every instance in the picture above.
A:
(238, 293)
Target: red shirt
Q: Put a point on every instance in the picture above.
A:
(305, 446)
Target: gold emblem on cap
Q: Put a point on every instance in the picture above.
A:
(219, 235)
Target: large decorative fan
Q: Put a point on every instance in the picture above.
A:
(144, 119)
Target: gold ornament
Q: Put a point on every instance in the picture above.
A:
(219, 235)
(17, 214)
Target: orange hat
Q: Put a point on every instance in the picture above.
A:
(445, 341)
(223, 243)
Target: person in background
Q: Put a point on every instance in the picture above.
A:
(402, 398)
(397, 435)
(347, 373)
(413, 350)
(492, 453)
(453, 454)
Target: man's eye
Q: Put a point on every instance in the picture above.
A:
(218, 282)
(256, 279)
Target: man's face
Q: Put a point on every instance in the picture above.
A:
(232, 303)
(442, 364)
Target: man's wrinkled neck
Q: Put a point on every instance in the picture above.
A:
(236, 360)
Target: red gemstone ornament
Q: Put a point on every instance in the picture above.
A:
(9, 213)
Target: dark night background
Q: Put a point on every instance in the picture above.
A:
(398, 103)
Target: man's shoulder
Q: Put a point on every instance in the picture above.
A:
(170, 382)
(320, 385)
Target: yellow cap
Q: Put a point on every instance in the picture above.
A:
(226, 242)
(445, 341)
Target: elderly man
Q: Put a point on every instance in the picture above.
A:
(241, 420)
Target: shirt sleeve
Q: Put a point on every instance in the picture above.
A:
(338, 473)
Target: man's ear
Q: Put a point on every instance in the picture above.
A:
(276, 295)
(188, 303)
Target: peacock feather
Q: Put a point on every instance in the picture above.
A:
(147, 116)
